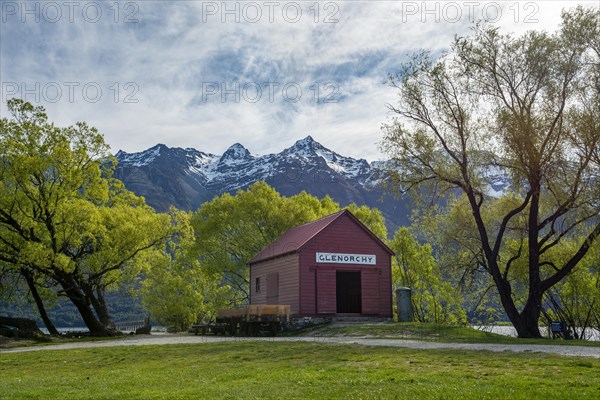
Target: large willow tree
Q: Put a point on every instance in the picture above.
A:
(63, 220)
(521, 107)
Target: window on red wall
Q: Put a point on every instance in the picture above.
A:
(257, 289)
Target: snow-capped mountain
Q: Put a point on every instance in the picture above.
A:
(186, 178)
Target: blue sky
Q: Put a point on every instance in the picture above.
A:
(208, 74)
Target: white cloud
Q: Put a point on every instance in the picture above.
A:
(166, 58)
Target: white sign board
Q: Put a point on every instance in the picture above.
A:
(339, 258)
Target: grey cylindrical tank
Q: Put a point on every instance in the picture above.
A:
(404, 302)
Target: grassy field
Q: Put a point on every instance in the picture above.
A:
(429, 332)
(273, 370)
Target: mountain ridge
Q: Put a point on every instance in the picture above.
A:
(187, 177)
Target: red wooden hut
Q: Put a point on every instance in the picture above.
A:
(334, 266)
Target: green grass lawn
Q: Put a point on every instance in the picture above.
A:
(275, 370)
(429, 332)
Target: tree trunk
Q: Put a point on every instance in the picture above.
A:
(82, 303)
(93, 324)
(100, 306)
(39, 303)
(530, 315)
(527, 322)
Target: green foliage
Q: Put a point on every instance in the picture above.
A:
(434, 300)
(453, 233)
(230, 230)
(63, 219)
(576, 300)
(177, 290)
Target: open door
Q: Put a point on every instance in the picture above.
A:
(348, 292)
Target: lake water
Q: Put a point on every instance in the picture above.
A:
(84, 329)
(66, 330)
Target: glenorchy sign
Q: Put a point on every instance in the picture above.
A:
(339, 258)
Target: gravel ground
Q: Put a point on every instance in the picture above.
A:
(159, 339)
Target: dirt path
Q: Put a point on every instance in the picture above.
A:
(160, 339)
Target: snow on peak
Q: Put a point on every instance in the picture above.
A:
(142, 158)
(306, 147)
(236, 152)
(307, 140)
(238, 164)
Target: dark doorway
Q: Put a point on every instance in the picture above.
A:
(348, 295)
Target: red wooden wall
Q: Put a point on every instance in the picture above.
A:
(344, 235)
(310, 287)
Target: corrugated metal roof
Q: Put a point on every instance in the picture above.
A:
(293, 239)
